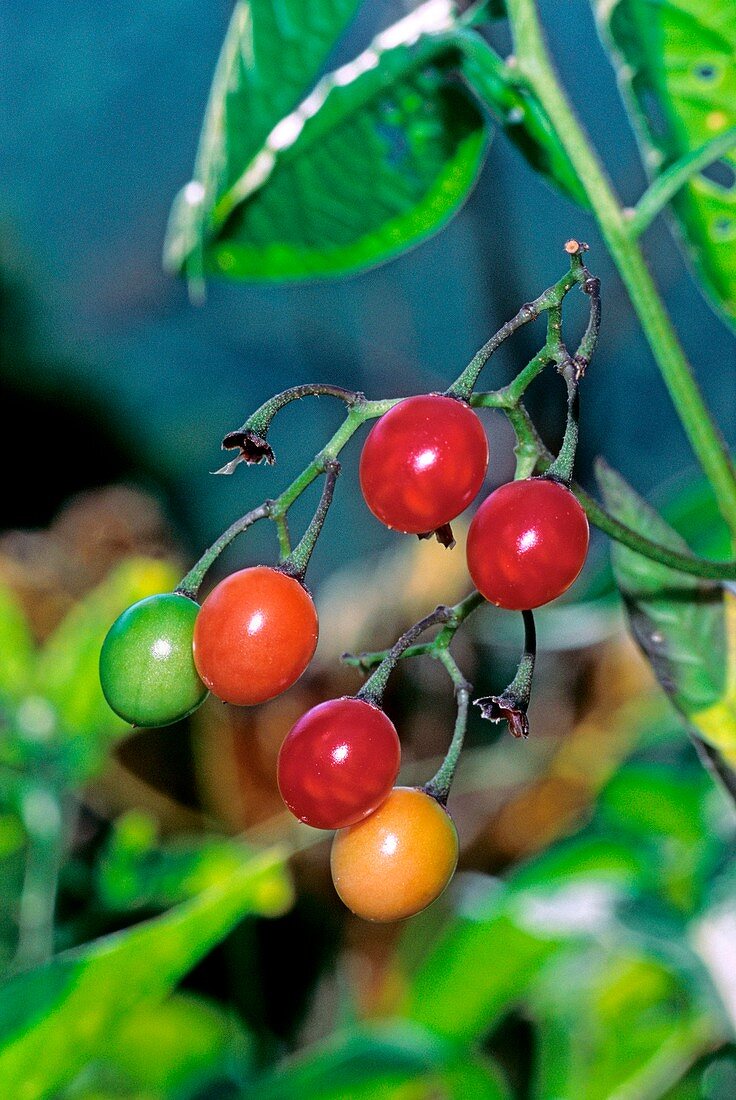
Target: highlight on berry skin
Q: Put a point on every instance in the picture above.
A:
(147, 671)
(397, 861)
(527, 543)
(338, 763)
(423, 463)
(255, 635)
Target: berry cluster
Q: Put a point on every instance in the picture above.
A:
(422, 464)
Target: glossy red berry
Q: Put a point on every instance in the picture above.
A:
(423, 463)
(255, 634)
(527, 543)
(398, 860)
(338, 763)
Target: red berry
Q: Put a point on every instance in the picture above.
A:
(255, 634)
(397, 861)
(338, 763)
(527, 543)
(423, 463)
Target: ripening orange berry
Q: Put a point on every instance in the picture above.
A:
(395, 862)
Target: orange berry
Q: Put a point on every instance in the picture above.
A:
(395, 862)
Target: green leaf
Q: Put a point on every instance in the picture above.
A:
(621, 1025)
(378, 156)
(16, 647)
(55, 1019)
(523, 119)
(686, 627)
(68, 665)
(502, 936)
(658, 800)
(394, 1061)
(173, 1049)
(136, 872)
(676, 65)
(666, 810)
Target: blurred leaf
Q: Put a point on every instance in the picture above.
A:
(667, 811)
(168, 1051)
(689, 506)
(134, 871)
(12, 835)
(16, 647)
(377, 157)
(523, 119)
(493, 948)
(621, 1026)
(675, 63)
(686, 627)
(657, 799)
(55, 1019)
(175, 1047)
(68, 665)
(394, 1061)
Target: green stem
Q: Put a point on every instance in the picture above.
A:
(562, 467)
(459, 614)
(296, 563)
(44, 821)
(535, 66)
(260, 421)
(276, 510)
(530, 445)
(513, 702)
(521, 685)
(439, 785)
(666, 185)
(374, 687)
(357, 415)
(550, 301)
(281, 523)
(190, 584)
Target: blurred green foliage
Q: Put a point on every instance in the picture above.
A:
(604, 943)
(615, 946)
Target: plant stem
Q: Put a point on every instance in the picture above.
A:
(357, 415)
(260, 421)
(535, 66)
(281, 523)
(439, 785)
(562, 467)
(512, 704)
(550, 301)
(666, 185)
(374, 687)
(439, 648)
(190, 584)
(296, 563)
(359, 412)
(459, 614)
(44, 821)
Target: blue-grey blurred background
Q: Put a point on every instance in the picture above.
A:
(109, 370)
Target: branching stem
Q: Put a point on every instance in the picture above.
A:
(534, 66)
(439, 785)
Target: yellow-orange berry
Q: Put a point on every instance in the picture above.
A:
(396, 862)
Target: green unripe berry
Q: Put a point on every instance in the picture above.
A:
(146, 666)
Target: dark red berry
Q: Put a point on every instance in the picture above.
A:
(423, 463)
(527, 543)
(338, 763)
